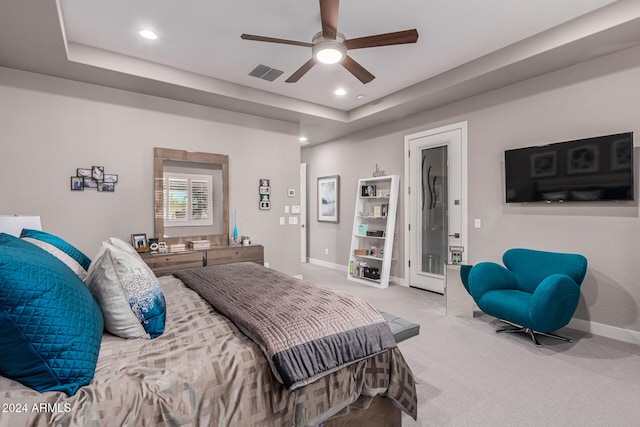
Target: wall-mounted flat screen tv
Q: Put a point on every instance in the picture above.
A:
(591, 169)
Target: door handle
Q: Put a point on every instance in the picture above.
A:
(456, 235)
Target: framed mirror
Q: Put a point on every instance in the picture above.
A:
(191, 193)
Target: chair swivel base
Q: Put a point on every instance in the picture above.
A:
(521, 329)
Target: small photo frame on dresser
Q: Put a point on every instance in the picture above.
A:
(140, 242)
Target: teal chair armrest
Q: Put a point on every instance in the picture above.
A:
(489, 276)
(553, 303)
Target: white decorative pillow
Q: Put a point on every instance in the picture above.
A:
(128, 292)
(121, 244)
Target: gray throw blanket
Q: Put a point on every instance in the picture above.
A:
(305, 331)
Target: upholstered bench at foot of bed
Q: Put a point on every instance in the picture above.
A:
(401, 328)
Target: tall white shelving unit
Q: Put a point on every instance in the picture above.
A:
(374, 222)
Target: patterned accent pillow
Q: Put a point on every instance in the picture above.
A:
(65, 252)
(128, 292)
(51, 324)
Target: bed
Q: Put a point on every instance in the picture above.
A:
(204, 369)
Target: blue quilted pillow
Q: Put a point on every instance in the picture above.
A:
(51, 325)
(61, 249)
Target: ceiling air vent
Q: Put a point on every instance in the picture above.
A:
(265, 73)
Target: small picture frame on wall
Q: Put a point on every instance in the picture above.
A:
(111, 178)
(77, 183)
(84, 172)
(109, 187)
(90, 182)
(97, 172)
(140, 242)
(265, 204)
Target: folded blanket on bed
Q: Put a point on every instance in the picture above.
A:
(305, 331)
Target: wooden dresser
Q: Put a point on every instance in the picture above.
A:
(167, 263)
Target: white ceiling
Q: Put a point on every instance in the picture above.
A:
(465, 47)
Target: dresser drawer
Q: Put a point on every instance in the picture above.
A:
(165, 264)
(227, 255)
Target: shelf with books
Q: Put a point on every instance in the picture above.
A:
(373, 230)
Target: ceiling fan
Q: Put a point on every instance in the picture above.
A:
(330, 47)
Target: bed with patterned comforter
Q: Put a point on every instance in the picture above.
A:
(204, 371)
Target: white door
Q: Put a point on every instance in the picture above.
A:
(435, 202)
(303, 212)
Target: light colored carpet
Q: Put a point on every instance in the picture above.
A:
(467, 375)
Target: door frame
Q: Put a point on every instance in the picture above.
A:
(461, 127)
(303, 213)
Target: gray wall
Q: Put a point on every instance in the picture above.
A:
(594, 98)
(49, 127)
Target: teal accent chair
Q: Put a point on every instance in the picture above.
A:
(536, 292)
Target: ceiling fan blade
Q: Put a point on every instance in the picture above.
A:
(357, 70)
(329, 18)
(273, 40)
(398, 37)
(301, 71)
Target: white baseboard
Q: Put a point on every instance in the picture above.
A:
(607, 331)
(328, 264)
(398, 281)
(395, 280)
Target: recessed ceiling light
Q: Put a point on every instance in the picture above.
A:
(302, 139)
(148, 34)
(340, 92)
(361, 97)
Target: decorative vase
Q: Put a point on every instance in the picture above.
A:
(235, 227)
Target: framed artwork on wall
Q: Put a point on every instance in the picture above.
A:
(83, 172)
(111, 178)
(329, 198)
(77, 183)
(107, 186)
(94, 177)
(97, 172)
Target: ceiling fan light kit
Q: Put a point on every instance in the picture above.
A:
(328, 51)
(330, 47)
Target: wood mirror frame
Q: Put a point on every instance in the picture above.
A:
(162, 155)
